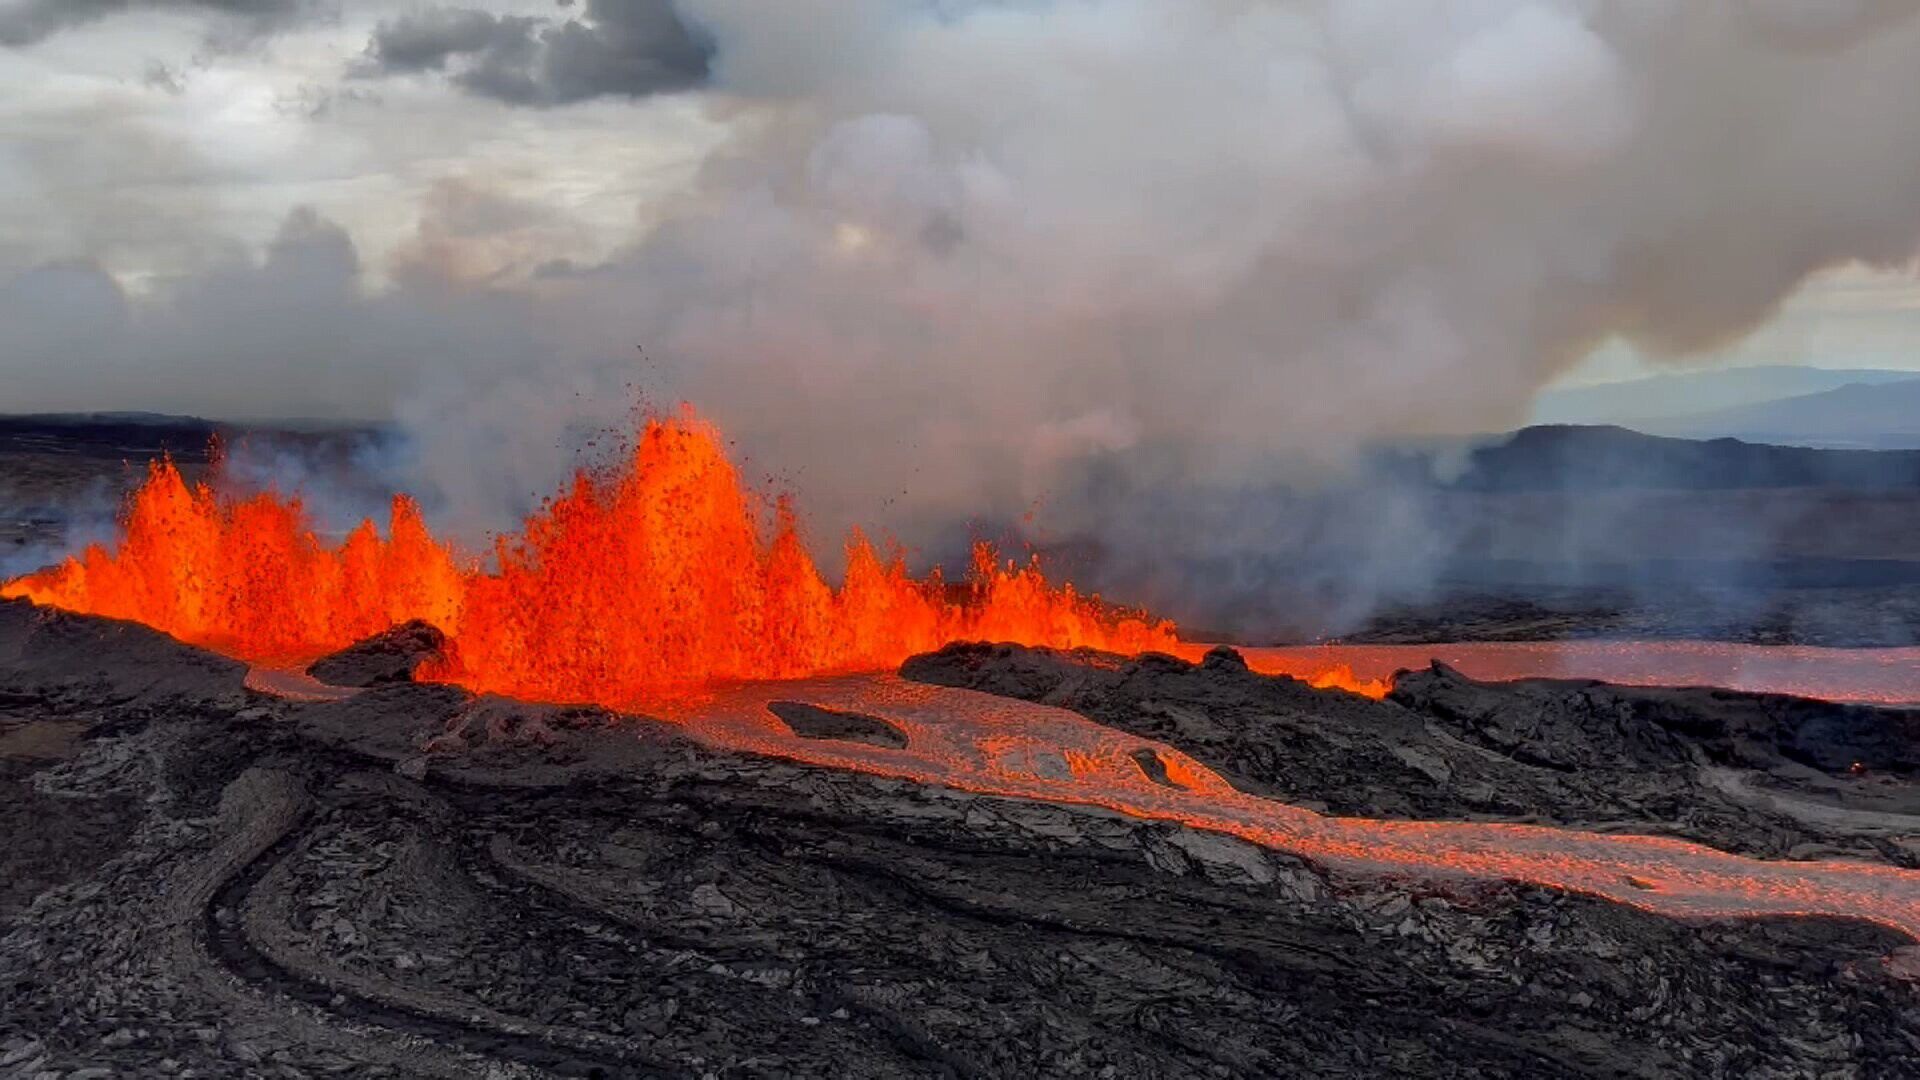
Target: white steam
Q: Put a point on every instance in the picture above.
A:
(955, 242)
(959, 257)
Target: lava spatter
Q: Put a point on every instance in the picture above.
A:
(654, 579)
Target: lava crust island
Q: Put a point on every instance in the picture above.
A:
(414, 881)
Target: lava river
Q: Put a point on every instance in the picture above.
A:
(997, 746)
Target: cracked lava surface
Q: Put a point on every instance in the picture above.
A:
(997, 746)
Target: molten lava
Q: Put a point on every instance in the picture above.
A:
(1016, 749)
(649, 581)
(666, 576)
(661, 578)
(248, 576)
(1878, 676)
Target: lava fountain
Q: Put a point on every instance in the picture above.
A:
(648, 581)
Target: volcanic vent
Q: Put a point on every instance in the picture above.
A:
(651, 580)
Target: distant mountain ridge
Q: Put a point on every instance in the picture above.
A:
(1552, 457)
(1562, 457)
(1635, 403)
(139, 435)
(110, 435)
(1867, 416)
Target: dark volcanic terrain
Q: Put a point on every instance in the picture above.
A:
(1556, 532)
(201, 880)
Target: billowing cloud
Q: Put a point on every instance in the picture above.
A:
(955, 258)
(1259, 231)
(298, 331)
(616, 48)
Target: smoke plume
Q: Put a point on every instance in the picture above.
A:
(969, 258)
(958, 248)
(981, 237)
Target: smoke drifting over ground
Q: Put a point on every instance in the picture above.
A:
(959, 259)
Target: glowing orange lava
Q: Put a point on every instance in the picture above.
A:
(1324, 667)
(665, 577)
(1003, 747)
(659, 578)
(248, 576)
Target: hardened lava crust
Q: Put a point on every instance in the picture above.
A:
(417, 882)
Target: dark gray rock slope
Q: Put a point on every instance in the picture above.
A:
(415, 882)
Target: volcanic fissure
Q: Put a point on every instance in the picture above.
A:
(655, 587)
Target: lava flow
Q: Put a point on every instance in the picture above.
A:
(638, 587)
(649, 581)
(1876, 676)
(1002, 747)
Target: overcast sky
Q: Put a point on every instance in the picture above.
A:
(314, 207)
(165, 144)
(154, 138)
